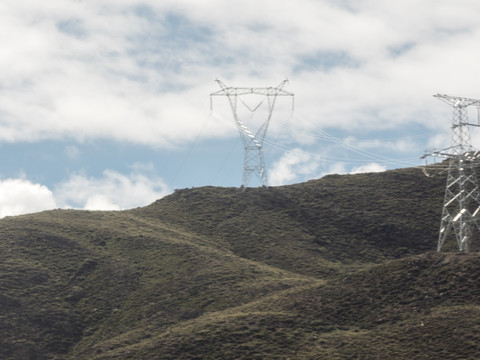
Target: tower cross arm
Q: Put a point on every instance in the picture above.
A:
(457, 101)
(267, 91)
(440, 153)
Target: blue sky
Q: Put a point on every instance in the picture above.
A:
(105, 104)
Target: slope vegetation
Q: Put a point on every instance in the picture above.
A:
(341, 267)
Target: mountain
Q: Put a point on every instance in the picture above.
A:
(341, 267)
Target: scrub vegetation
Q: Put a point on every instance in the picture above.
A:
(341, 267)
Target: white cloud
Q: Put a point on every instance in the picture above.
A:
(338, 168)
(372, 167)
(341, 168)
(141, 71)
(293, 166)
(97, 201)
(19, 196)
(113, 191)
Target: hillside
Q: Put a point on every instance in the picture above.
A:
(340, 267)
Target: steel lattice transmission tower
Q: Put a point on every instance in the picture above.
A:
(253, 138)
(461, 207)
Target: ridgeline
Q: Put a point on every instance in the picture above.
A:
(342, 267)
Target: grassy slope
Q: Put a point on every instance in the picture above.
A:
(73, 277)
(350, 218)
(420, 307)
(337, 268)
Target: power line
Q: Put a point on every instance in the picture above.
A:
(323, 135)
(192, 146)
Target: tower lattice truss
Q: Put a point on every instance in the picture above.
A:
(252, 136)
(461, 207)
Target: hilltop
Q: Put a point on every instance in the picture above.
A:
(341, 267)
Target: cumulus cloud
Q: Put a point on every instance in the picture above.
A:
(141, 71)
(294, 165)
(372, 167)
(341, 168)
(112, 191)
(20, 196)
(338, 168)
